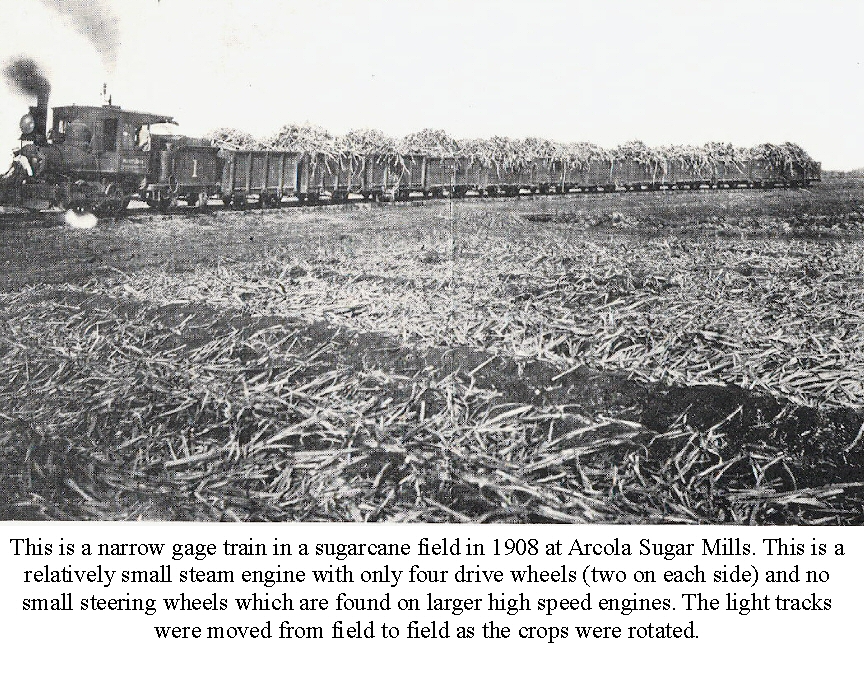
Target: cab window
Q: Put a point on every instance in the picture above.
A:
(144, 138)
(109, 134)
(127, 141)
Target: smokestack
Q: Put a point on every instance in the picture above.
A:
(26, 76)
(40, 118)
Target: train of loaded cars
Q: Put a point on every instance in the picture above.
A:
(98, 158)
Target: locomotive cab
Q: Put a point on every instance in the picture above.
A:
(111, 135)
(90, 159)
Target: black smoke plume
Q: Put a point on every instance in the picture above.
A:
(25, 75)
(96, 21)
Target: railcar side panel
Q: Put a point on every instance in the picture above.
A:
(441, 172)
(254, 172)
(194, 167)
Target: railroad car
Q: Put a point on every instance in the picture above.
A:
(180, 168)
(269, 176)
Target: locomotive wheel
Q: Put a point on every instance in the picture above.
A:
(112, 202)
(80, 207)
(105, 209)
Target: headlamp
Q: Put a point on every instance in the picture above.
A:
(28, 124)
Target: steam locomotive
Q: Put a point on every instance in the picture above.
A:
(98, 158)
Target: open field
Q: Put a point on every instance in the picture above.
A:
(651, 357)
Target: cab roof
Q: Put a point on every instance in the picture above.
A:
(108, 111)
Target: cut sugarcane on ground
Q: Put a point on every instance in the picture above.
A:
(671, 357)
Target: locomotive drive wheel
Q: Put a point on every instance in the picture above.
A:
(80, 207)
(107, 209)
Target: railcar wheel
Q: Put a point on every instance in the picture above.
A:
(163, 205)
(197, 201)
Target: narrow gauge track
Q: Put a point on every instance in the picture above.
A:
(22, 216)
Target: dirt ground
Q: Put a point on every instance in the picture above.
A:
(645, 357)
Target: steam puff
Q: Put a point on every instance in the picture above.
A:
(25, 75)
(95, 21)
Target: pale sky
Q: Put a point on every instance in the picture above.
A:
(606, 72)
